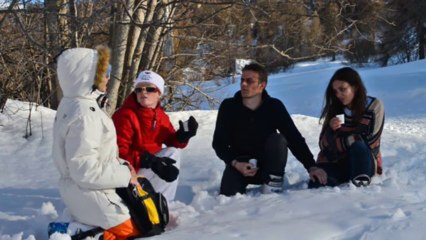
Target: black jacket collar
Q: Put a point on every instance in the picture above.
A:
(239, 98)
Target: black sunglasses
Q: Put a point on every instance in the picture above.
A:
(147, 89)
(249, 80)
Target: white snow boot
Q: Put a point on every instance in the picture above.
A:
(275, 185)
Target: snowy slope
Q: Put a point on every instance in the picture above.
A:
(394, 207)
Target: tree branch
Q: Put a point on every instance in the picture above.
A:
(9, 10)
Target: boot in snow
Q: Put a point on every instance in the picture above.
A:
(275, 185)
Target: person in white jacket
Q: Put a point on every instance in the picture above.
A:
(85, 146)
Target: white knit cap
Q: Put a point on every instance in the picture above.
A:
(150, 77)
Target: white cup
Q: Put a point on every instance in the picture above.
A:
(253, 162)
(341, 117)
(185, 126)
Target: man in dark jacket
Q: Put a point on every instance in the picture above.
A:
(246, 128)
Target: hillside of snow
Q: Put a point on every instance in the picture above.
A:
(393, 207)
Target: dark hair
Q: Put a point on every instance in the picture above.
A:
(333, 106)
(256, 67)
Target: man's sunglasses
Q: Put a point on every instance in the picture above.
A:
(249, 81)
(147, 89)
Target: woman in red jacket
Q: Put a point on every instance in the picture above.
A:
(142, 129)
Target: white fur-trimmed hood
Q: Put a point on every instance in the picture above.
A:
(80, 68)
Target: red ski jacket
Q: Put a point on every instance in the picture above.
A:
(142, 129)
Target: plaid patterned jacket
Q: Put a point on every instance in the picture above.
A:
(334, 144)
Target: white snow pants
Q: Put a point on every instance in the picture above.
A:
(168, 189)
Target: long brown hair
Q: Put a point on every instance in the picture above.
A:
(333, 106)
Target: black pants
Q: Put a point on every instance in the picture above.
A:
(272, 161)
(358, 161)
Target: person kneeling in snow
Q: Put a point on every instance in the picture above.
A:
(246, 128)
(85, 146)
(143, 127)
(350, 149)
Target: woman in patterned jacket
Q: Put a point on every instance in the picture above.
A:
(350, 145)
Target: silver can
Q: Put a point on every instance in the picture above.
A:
(253, 162)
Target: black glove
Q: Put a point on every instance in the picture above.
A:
(184, 136)
(162, 166)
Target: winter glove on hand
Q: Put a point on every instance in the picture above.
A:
(162, 166)
(184, 136)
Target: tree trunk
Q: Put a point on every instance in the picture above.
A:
(86, 27)
(119, 42)
(141, 41)
(152, 41)
(421, 38)
(73, 24)
(134, 34)
(53, 35)
(155, 52)
(63, 23)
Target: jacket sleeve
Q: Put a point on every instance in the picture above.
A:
(296, 143)
(221, 137)
(369, 129)
(125, 134)
(82, 145)
(373, 123)
(171, 139)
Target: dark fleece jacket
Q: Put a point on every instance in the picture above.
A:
(241, 131)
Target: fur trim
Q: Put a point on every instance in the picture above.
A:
(104, 54)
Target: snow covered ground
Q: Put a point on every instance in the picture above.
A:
(393, 207)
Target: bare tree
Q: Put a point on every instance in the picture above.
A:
(187, 42)
(403, 40)
(121, 25)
